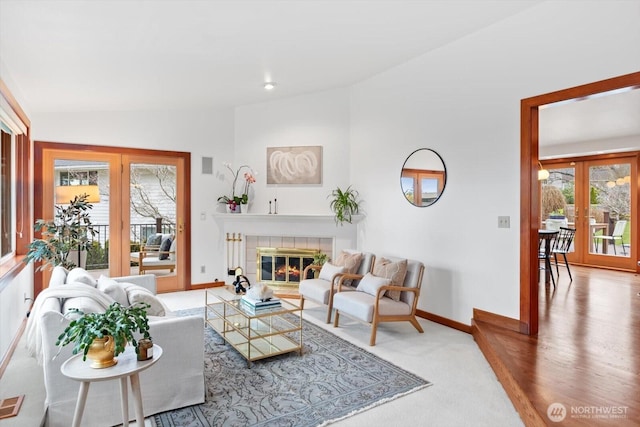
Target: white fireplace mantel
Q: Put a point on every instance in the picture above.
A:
(226, 217)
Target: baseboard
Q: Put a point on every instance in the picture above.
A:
(444, 321)
(207, 285)
(12, 347)
(528, 413)
(496, 319)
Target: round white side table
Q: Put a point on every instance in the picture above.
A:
(128, 366)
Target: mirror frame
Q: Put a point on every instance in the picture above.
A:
(418, 174)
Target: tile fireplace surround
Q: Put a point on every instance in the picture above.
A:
(301, 231)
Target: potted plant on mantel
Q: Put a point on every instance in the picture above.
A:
(102, 336)
(344, 204)
(66, 234)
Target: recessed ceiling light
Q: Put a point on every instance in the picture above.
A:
(269, 85)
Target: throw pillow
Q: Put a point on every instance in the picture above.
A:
(351, 263)
(154, 240)
(329, 270)
(80, 275)
(172, 250)
(370, 284)
(114, 289)
(394, 271)
(136, 294)
(165, 245)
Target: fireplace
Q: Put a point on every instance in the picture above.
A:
(283, 267)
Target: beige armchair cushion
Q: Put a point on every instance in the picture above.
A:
(329, 270)
(370, 284)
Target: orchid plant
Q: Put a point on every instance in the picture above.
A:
(243, 199)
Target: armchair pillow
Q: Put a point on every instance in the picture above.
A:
(172, 250)
(370, 284)
(137, 294)
(350, 262)
(329, 270)
(165, 245)
(394, 271)
(154, 240)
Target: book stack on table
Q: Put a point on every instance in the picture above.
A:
(257, 305)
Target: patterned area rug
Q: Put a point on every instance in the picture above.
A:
(333, 379)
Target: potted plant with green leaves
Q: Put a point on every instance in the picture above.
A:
(102, 336)
(344, 204)
(67, 234)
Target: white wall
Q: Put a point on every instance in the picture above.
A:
(463, 101)
(316, 119)
(207, 133)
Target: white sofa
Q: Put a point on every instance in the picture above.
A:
(175, 381)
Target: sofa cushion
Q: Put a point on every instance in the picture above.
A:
(165, 245)
(394, 271)
(80, 275)
(370, 284)
(84, 304)
(137, 294)
(329, 270)
(114, 289)
(58, 276)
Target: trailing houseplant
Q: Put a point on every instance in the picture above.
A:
(344, 204)
(68, 231)
(117, 321)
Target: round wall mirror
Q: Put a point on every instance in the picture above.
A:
(423, 177)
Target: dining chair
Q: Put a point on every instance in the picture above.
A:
(618, 230)
(542, 255)
(562, 246)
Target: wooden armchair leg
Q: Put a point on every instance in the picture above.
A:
(335, 319)
(374, 329)
(329, 315)
(301, 302)
(416, 325)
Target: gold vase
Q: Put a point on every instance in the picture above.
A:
(101, 352)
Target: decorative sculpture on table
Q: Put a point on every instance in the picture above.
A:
(260, 292)
(240, 281)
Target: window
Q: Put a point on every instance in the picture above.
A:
(78, 177)
(7, 225)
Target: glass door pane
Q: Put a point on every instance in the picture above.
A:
(91, 178)
(610, 209)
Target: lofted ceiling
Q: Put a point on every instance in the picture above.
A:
(111, 55)
(101, 55)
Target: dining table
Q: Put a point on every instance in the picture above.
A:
(547, 236)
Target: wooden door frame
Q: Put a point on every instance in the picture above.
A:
(39, 203)
(529, 189)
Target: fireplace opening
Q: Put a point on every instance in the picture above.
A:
(283, 267)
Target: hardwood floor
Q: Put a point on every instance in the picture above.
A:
(586, 356)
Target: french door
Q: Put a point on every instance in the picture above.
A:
(134, 194)
(600, 196)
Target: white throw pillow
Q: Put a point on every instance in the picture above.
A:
(136, 294)
(329, 270)
(370, 284)
(114, 289)
(80, 275)
(84, 304)
(172, 249)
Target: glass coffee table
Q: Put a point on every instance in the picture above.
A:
(255, 334)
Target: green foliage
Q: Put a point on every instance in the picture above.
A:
(320, 258)
(69, 230)
(568, 191)
(97, 257)
(344, 204)
(593, 195)
(117, 321)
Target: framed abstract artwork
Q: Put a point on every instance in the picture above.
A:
(301, 165)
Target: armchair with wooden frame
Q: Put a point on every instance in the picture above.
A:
(322, 289)
(376, 307)
(157, 257)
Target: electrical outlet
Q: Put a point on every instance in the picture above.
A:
(504, 222)
(202, 269)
